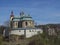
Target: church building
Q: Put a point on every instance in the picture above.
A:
(22, 26)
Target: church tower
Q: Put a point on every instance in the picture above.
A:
(11, 19)
(26, 21)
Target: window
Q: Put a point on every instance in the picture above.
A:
(29, 30)
(26, 23)
(32, 30)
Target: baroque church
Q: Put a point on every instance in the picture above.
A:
(22, 21)
(22, 26)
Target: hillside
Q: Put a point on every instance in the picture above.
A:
(40, 39)
(43, 39)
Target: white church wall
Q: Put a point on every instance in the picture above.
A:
(17, 32)
(27, 32)
(32, 32)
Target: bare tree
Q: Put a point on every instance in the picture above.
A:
(7, 23)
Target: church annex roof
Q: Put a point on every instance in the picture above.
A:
(24, 28)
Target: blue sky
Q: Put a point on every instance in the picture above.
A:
(42, 11)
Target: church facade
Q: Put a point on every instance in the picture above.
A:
(23, 25)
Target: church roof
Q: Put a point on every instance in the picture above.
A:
(26, 19)
(24, 28)
(22, 17)
(16, 19)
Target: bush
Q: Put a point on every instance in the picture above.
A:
(1, 39)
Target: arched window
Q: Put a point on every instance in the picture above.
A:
(26, 23)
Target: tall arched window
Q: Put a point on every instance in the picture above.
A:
(26, 23)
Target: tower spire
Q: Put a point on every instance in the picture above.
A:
(12, 15)
(22, 13)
